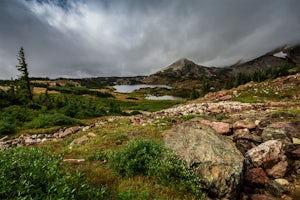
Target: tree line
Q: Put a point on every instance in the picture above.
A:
(241, 78)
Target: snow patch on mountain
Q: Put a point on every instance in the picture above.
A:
(280, 54)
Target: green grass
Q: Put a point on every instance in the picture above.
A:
(98, 173)
(290, 114)
(268, 91)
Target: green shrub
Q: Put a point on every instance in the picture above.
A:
(120, 137)
(17, 114)
(135, 157)
(131, 195)
(171, 171)
(48, 120)
(148, 157)
(28, 173)
(97, 155)
(6, 127)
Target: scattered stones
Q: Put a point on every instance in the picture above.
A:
(69, 131)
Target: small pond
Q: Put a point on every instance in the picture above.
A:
(131, 88)
(165, 97)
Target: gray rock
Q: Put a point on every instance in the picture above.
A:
(244, 124)
(246, 135)
(296, 153)
(215, 159)
(297, 166)
(69, 131)
(272, 132)
(282, 181)
(29, 141)
(219, 127)
(276, 189)
(263, 197)
(265, 155)
(2, 146)
(296, 140)
(79, 141)
(4, 138)
(91, 135)
(278, 170)
(256, 176)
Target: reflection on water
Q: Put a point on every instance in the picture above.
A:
(131, 88)
(165, 97)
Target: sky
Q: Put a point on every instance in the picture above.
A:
(92, 38)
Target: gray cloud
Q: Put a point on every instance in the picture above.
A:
(68, 38)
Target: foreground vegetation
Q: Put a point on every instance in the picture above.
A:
(29, 173)
(117, 166)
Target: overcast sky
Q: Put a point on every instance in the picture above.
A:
(89, 38)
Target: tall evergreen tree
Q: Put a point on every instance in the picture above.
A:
(24, 78)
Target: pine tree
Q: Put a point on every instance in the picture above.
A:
(24, 78)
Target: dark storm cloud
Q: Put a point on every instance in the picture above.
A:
(132, 37)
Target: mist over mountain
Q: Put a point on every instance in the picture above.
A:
(76, 38)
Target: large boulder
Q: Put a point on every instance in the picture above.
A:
(217, 162)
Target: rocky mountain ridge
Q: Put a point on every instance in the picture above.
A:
(184, 69)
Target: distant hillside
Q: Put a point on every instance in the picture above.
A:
(186, 73)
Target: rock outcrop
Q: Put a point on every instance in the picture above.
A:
(216, 161)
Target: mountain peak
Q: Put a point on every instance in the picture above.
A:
(179, 64)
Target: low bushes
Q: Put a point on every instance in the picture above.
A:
(48, 120)
(147, 157)
(28, 173)
(135, 158)
(6, 127)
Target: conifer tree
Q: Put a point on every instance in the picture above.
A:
(24, 78)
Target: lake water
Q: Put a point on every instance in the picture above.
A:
(165, 97)
(131, 88)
